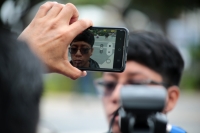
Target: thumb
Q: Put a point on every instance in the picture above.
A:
(71, 71)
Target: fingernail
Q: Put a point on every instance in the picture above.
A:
(84, 73)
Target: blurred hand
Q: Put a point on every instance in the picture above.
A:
(50, 33)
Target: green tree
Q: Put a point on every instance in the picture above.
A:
(160, 11)
(191, 77)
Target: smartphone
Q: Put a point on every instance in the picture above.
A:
(100, 49)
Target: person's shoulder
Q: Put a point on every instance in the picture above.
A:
(6, 33)
(93, 63)
(9, 42)
(175, 129)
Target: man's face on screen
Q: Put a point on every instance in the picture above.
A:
(80, 53)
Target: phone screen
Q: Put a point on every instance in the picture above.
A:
(99, 49)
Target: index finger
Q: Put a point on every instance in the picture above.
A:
(44, 9)
(69, 14)
(79, 26)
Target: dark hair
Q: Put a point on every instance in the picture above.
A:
(85, 36)
(21, 86)
(157, 53)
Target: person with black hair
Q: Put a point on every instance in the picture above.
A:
(81, 49)
(151, 60)
(21, 86)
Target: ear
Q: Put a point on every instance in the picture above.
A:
(173, 95)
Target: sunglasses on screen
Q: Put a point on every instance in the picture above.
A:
(82, 50)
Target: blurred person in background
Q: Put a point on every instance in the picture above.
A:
(81, 49)
(151, 60)
(48, 35)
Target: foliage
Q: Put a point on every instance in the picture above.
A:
(165, 8)
(160, 11)
(195, 52)
(56, 83)
(191, 77)
(104, 32)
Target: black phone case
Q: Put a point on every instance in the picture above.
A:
(125, 50)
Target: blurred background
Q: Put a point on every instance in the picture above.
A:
(74, 106)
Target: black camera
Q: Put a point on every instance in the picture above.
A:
(141, 108)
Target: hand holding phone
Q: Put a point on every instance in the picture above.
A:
(100, 49)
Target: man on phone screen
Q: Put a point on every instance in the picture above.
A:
(81, 49)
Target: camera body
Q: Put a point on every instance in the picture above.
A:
(141, 107)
